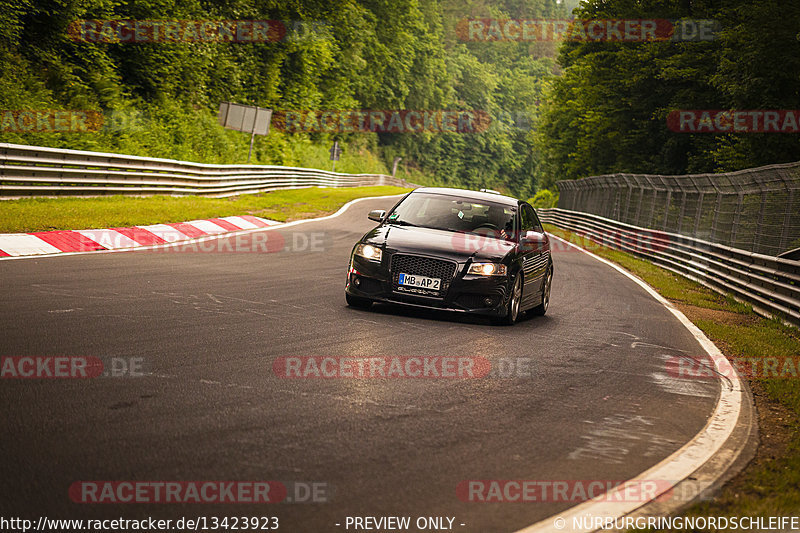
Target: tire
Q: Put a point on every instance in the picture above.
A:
(541, 309)
(355, 301)
(512, 308)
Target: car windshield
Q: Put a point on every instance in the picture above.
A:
(451, 213)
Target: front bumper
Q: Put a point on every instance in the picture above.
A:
(467, 293)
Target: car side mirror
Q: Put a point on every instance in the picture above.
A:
(534, 241)
(377, 215)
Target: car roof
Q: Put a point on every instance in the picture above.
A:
(469, 195)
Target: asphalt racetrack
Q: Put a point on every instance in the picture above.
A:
(585, 392)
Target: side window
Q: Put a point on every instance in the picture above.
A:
(527, 219)
(537, 226)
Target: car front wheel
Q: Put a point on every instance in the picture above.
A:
(541, 309)
(512, 308)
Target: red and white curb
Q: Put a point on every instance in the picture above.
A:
(71, 241)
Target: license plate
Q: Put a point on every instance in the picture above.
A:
(413, 280)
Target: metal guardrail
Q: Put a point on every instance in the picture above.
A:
(40, 171)
(754, 209)
(770, 284)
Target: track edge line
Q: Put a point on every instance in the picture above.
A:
(734, 413)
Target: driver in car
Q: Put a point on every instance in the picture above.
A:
(503, 223)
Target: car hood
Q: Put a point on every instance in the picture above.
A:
(446, 244)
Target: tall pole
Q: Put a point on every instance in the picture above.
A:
(252, 135)
(334, 154)
(394, 165)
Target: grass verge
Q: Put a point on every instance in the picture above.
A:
(43, 214)
(770, 484)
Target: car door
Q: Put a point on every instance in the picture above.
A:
(534, 257)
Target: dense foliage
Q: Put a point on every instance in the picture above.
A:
(600, 108)
(608, 112)
(160, 99)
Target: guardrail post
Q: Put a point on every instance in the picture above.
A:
(590, 201)
(716, 211)
(737, 221)
(627, 215)
(561, 195)
(613, 192)
(605, 208)
(787, 218)
(737, 217)
(563, 199)
(666, 208)
(577, 196)
(716, 216)
(574, 192)
(682, 212)
(603, 199)
(699, 212)
(641, 200)
(760, 224)
(652, 204)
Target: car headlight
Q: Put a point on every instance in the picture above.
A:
(367, 251)
(487, 269)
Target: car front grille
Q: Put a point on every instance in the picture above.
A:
(422, 266)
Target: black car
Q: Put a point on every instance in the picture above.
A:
(453, 249)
